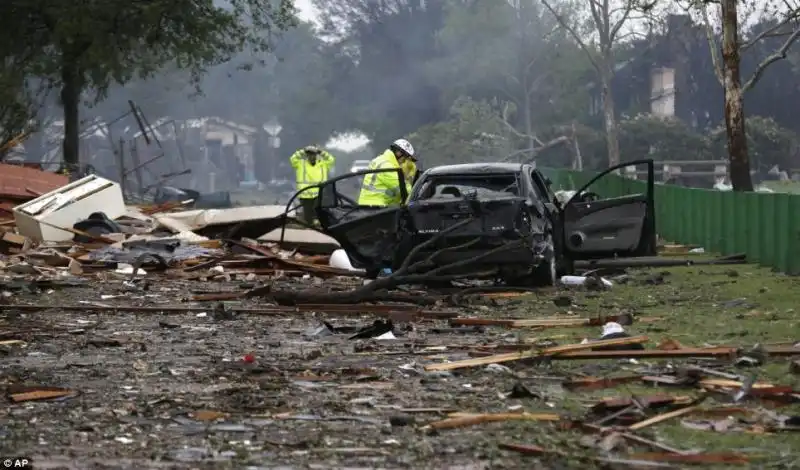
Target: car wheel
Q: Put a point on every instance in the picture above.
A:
(546, 274)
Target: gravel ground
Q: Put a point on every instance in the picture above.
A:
(175, 391)
(154, 390)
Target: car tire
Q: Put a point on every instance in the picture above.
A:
(546, 273)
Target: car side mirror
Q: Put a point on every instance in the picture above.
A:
(589, 196)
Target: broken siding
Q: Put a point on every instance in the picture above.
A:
(18, 182)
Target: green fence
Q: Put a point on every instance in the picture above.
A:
(766, 226)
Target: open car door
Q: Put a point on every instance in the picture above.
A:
(370, 235)
(593, 226)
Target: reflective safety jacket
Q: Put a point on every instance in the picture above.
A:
(409, 171)
(382, 189)
(307, 174)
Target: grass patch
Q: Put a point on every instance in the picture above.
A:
(713, 305)
(791, 187)
(737, 305)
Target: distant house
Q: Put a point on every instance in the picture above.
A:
(229, 145)
(669, 75)
(219, 152)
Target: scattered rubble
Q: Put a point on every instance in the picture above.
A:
(144, 327)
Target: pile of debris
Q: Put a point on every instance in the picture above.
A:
(84, 230)
(613, 426)
(85, 225)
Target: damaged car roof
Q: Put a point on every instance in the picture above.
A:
(475, 168)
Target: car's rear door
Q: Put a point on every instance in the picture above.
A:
(611, 226)
(370, 235)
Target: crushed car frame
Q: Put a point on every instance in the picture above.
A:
(491, 220)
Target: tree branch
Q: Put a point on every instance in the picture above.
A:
(600, 15)
(537, 150)
(406, 265)
(574, 35)
(769, 32)
(432, 257)
(630, 34)
(377, 290)
(504, 120)
(712, 44)
(778, 55)
(458, 264)
(535, 85)
(550, 144)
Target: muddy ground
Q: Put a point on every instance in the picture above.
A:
(176, 391)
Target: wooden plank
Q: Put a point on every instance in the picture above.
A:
(515, 356)
(464, 420)
(663, 417)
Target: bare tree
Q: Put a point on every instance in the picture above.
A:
(608, 17)
(531, 32)
(728, 69)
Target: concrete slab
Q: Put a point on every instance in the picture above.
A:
(308, 240)
(199, 218)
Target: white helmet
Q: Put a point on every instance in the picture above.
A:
(405, 146)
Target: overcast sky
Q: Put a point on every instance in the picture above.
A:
(306, 9)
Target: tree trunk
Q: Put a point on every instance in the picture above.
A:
(528, 120)
(577, 162)
(734, 99)
(70, 101)
(610, 115)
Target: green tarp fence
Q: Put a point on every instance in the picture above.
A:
(766, 226)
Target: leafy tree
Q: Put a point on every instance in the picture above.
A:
(474, 132)
(777, 94)
(168, 94)
(18, 105)
(291, 85)
(586, 148)
(661, 138)
(727, 17)
(87, 45)
(768, 143)
(380, 76)
(514, 52)
(599, 39)
(641, 136)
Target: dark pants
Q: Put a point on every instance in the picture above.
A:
(307, 205)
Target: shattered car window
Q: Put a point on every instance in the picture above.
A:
(483, 186)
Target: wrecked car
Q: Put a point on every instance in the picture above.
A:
(488, 220)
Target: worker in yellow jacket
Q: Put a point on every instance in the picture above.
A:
(409, 168)
(383, 189)
(311, 166)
